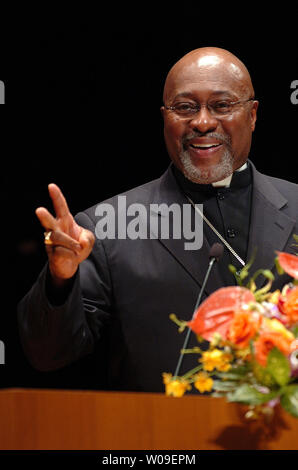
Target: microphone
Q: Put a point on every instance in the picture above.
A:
(215, 254)
(216, 251)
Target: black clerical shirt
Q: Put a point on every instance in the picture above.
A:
(228, 209)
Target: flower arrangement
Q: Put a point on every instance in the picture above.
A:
(252, 355)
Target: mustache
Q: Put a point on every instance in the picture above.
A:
(223, 139)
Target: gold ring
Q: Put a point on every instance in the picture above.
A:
(47, 237)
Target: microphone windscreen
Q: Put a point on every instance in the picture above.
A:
(216, 251)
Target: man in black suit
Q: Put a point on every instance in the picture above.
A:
(117, 292)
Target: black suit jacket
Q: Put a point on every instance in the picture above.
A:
(123, 293)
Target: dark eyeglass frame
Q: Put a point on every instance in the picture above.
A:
(213, 112)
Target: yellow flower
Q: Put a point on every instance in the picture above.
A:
(216, 340)
(274, 297)
(275, 325)
(203, 382)
(175, 388)
(224, 367)
(244, 354)
(216, 359)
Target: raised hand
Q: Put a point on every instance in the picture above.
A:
(69, 244)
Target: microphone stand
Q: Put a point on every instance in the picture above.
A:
(211, 262)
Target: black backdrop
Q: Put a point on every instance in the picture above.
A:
(83, 91)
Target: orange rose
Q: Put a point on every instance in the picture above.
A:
(290, 305)
(243, 328)
(267, 341)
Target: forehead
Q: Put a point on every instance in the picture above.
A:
(206, 76)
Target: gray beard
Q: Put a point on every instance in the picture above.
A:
(217, 173)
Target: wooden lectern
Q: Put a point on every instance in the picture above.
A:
(87, 420)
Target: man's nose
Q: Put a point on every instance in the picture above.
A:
(203, 121)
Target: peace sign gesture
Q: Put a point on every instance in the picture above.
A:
(67, 243)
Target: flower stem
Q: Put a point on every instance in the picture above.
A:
(191, 372)
(195, 350)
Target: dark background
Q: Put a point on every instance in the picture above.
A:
(83, 92)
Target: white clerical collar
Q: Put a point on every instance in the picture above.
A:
(227, 181)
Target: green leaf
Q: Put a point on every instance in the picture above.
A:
(289, 400)
(249, 395)
(232, 269)
(223, 386)
(235, 373)
(279, 269)
(278, 366)
(218, 394)
(251, 260)
(243, 274)
(228, 376)
(268, 274)
(295, 331)
(262, 375)
(239, 370)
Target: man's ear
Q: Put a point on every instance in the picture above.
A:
(253, 115)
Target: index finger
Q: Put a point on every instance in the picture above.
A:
(59, 201)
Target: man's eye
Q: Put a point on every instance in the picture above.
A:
(221, 105)
(185, 107)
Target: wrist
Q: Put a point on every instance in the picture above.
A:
(58, 289)
(58, 282)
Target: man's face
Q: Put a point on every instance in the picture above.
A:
(188, 138)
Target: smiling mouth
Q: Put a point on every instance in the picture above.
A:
(204, 146)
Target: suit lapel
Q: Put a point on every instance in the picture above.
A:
(195, 262)
(270, 228)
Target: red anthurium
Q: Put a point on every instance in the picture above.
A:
(217, 311)
(289, 263)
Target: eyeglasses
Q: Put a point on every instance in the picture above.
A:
(217, 108)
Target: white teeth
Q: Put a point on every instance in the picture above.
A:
(204, 145)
